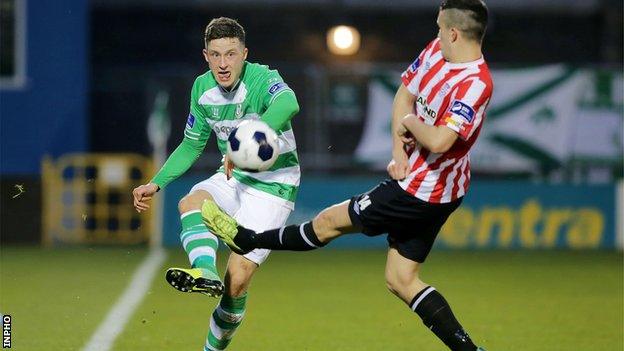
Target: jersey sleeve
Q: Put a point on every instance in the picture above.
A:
(467, 107)
(279, 101)
(411, 77)
(197, 130)
(272, 87)
(196, 133)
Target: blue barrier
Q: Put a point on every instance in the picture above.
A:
(506, 215)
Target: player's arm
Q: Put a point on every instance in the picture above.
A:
(460, 120)
(278, 99)
(196, 135)
(437, 139)
(281, 110)
(180, 160)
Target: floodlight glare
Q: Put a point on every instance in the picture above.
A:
(343, 40)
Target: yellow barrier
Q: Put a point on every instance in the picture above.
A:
(87, 199)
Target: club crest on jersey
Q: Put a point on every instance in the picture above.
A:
(215, 112)
(190, 121)
(239, 110)
(414, 66)
(277, 87)
(463, 110)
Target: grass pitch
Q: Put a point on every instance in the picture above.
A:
(321, 301)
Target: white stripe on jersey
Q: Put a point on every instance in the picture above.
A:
(448, 188)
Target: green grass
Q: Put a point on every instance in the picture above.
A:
(57, 298)
(326, 300)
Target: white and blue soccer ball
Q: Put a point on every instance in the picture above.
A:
(253, 146)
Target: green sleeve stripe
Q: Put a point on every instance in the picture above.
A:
(284, 191)
(288, 159)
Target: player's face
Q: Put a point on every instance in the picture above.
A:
(445, 34)
(225, 58)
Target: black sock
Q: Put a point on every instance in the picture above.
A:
(436, 314)
(299, 237)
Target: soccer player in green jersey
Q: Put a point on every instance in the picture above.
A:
(233, 90)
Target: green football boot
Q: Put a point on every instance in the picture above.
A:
(221, 224)
(198, 280)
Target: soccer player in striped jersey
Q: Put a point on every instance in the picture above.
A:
(437, 114)
(233, 90)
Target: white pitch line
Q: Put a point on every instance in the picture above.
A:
(106, 333)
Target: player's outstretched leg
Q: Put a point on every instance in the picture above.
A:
(201, 247)
(326, 226)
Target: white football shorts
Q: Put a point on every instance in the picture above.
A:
(249, 210)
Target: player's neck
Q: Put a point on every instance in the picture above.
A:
(466, 52)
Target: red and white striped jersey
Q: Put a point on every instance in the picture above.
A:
(454, 95)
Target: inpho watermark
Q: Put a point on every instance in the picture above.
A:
(6, 331)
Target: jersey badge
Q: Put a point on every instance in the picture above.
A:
(463, 110)
(215, 112)
(190, 121)
(414, 66)
(277, 87)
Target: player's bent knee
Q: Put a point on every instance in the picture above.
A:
(192, 202)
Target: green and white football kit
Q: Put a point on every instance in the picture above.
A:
(260, 200)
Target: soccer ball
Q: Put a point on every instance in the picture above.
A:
(252, 146)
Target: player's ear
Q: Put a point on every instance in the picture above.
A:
(245, 51)
(205, 53)
(454, 34)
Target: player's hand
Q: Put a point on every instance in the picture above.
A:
(405, 136)
(398, 168)
(229, 167)
(142, 195)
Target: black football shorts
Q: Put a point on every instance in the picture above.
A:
(412, 224)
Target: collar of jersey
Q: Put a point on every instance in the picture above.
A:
(231, 90)
(465, 64)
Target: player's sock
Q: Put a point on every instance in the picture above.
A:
(436, 314)
(224, 321)
(199, 243)
(299, 237)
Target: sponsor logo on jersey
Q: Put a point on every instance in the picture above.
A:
(277, 87)
(190, 121)
(428, 111)
(463, 110)
(414, 66)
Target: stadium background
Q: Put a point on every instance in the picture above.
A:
(542, 221)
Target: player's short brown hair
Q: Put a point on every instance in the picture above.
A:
(224, 27)
(469, 16)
